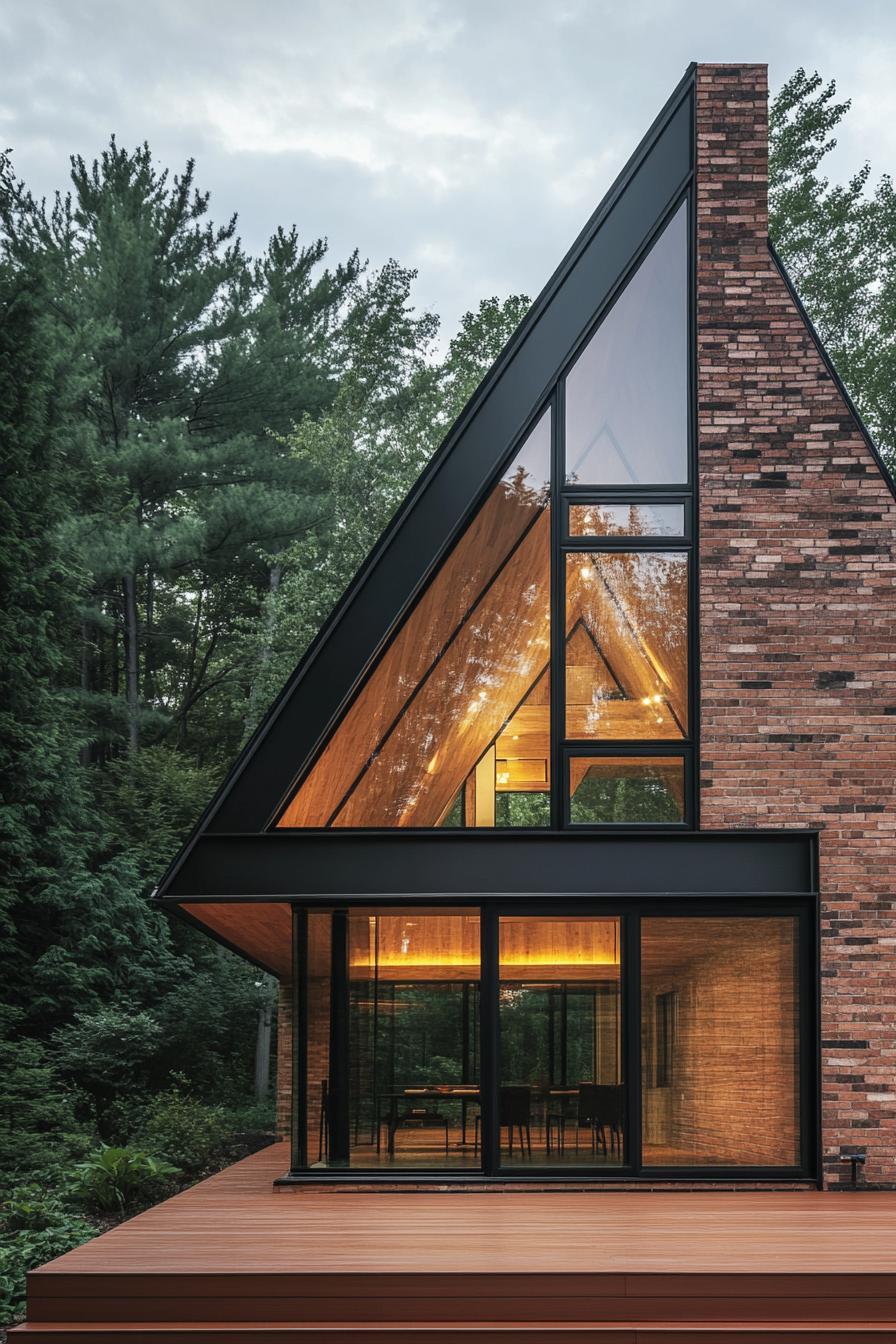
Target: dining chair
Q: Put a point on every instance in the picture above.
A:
(514, 1113)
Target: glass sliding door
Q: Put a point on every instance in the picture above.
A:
(720, 1042)
(454, 1039)
(410, 1009)
(560, 1086)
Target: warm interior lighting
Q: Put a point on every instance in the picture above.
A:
(412, 962)
(426, 945)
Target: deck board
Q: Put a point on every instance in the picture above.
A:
(323, 1263)
(234, 1223)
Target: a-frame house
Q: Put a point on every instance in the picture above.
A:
(502, 755)
(571, 839)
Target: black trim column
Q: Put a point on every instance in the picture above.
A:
(337, 1092)
(630, 1006)
(489, 973)
(298, 1129)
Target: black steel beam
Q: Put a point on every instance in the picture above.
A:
(334, 865)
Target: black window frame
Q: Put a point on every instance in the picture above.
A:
(563, 544)
(630, 910)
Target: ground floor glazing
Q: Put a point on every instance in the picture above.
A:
(511, 1039)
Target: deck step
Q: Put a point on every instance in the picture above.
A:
(467, 1332)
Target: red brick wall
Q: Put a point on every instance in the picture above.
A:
(284, 1058)
(797, 612)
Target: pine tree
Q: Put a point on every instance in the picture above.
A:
(196, 354)
(839, 245)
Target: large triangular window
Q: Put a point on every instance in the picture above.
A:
(418, 746)
(542, 677)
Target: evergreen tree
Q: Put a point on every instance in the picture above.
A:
(838, 242)
(196, 354)
(393, 409)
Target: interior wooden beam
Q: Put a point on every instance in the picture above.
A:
(418, 644)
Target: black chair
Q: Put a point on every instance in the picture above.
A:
(600, 1107)
(608, 1109)
(514, 1113)
(323, 1133)
(417, 1117)
(554, 1123)
(586, 1112)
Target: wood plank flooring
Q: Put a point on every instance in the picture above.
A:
(230, 1258)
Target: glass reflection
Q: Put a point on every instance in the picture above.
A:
(452, 727)
(626, 395)
(413, 1037)
(622, 790)
(626, 645)
(560, 1099)
(626, 520)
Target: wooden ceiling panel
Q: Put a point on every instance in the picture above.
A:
(634, 606)
(435, 621)
(263, 930)
(495, 658)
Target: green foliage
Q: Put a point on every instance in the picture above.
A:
(182, 1129)
(624, 800)
(254, 1119)
(111, 1180)
(838, 242)
(38, 1125)
(150, 803)
(108, 1053)
(34, 1228)
(523, 809)
(389, 416)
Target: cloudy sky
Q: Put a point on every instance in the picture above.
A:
(470, 140)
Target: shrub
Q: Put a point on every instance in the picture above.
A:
(112, 1179)
(34, 1227)
(255, 1117)
(108, 1053)
(37, 1112)
(184, 1130)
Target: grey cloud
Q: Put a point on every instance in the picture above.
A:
(469, 139)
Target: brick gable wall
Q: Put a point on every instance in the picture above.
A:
(797, 612)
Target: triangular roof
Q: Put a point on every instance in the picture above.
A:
(455, 482)
(238, 851)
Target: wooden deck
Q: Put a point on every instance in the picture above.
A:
(230, 1259)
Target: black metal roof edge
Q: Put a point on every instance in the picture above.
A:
(174, 904)
(829, 365)
(611, 196)
(333, 835)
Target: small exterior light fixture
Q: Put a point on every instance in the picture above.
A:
(856, 1160)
